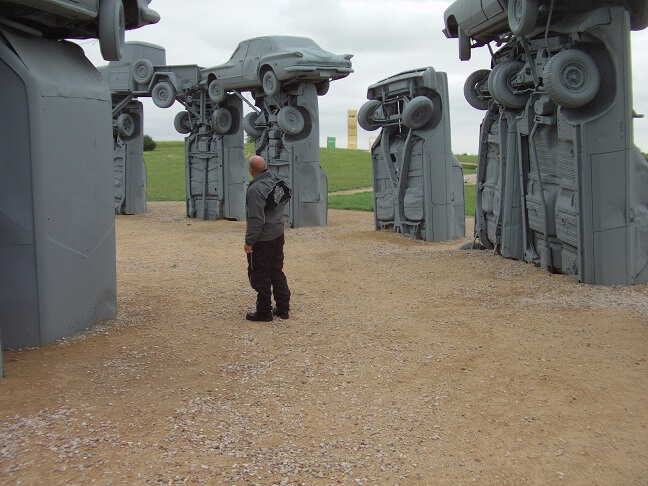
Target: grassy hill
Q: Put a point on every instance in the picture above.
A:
(345, 169)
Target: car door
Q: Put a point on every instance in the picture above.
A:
(251, 66)
(232, 72)
(492, 8)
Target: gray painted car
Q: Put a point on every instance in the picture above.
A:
(106, 20)
(275, 61)
(478, 22)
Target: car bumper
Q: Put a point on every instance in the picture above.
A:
(325, 71)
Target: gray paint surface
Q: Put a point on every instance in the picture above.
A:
(215, 168)
(57, 233)
(128, 123)
(296, 158)
(560, 181)
(418, 182)
(285, 76)
(128, 156)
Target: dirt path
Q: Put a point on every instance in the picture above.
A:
(351, 191)
(403, 363)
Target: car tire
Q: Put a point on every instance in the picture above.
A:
(142, 71)
(112, 29)
(163, 94)
(291, 120)
(126, 125)
(522, 16)
(221, 121)
(322, 88)
(364, 115)
(471, 92)
(182, 122)
(638, 14)
(500, 87)
(572, 78)
(216, 92)
(464, 46)
(249, 125)
(417, 112)
(271, 85)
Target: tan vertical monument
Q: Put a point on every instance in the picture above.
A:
(352, 124)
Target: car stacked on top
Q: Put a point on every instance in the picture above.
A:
(106, 20)
(538, 49)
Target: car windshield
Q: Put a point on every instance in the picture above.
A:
(294, 43)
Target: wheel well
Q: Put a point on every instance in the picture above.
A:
(262, 70)
(452, 26)
(131, 12)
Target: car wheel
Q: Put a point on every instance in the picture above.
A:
(365, 119)
(638, 14)
(216, 92)
(522, 16)
(249, 125)
(142, 71)
(473, 89)
(112, 29)
(464, 46)
(271, 85)
(322, 88)
(500, 85)
(417, 112)
(182, 122)
(125, 125)
(290, 120)
(221, 121)
(163, 94)
(572, 78)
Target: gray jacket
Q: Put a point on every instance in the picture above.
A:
(266, 199)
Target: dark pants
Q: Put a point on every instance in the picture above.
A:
(265, 270)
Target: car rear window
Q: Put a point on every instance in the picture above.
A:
(294, 42)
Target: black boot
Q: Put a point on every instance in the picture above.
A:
(278, 313)
(255, 316)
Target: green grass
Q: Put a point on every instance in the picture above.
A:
(345, 169)
(470, 194)
(468, 162)
(363, 201)
(165, 172)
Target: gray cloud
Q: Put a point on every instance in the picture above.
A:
(385, 37)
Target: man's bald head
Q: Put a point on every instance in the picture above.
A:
(257, 164)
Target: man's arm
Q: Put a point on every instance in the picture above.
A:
(255, 217)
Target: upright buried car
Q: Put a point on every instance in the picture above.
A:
(477, 22)
(418, 182)
(270, 62)
(560, 182)
(106, 20)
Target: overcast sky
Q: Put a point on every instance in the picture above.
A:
(385, 37)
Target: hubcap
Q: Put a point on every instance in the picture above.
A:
(574, 77)
(518, 10)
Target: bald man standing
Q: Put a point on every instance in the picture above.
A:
(266, 199)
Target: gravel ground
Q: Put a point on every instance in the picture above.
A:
(403, 362)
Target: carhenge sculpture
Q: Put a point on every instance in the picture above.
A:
(57, 231)
(418, 182)
(560, 181)
(215, 169)
(285, 75)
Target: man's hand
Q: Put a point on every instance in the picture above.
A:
(247, 248)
